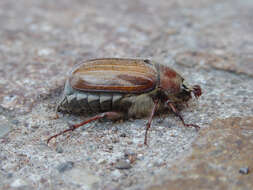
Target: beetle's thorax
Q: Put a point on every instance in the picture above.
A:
(170, 80)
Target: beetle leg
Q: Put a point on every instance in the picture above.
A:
(176, 112)
(150, 120)
(108, 115)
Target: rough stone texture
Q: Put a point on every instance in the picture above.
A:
(5, 126)
(238, 64)
(218, 155)
(210, 42)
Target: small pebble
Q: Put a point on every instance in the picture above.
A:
(65, 166)
(122, 164)
(244, 170)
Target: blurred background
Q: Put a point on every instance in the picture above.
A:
(210, 42)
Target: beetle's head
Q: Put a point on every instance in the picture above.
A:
(185, 93)
(175, 88)
(187, 90)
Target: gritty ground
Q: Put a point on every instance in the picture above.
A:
(209, 42)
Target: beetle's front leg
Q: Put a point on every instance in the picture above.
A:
(177, 113)
(107, 115)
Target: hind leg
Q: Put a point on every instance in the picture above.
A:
(107, 115)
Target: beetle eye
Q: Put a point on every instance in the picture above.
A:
(185, 86)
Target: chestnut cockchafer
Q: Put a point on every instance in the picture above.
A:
(116, 88)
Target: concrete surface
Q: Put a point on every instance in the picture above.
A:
(210, 42)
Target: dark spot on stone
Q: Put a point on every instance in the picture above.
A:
(244, 170)
(128, 153)
(26, 125)
(122, 135)
(110, 147)
(189, 24)
(63, 167)
(59, 149)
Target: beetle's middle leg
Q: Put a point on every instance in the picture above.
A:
(150, 120)
(177, 113)
(108, 115)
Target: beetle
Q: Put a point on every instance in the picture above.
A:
(118, 88)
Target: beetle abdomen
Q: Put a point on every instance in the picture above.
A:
(74, 101)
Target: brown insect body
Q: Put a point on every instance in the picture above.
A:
(124, 88)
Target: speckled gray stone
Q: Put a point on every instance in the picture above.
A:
(5, 127)
(209, 42)
(63, 167)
